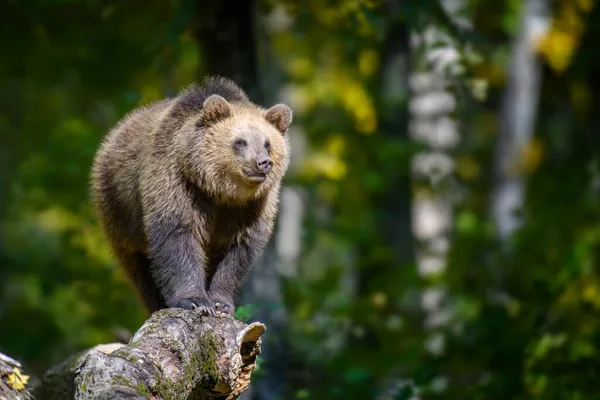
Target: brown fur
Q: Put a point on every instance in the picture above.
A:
(174, 198)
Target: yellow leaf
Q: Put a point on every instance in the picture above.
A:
(531, 156)
(335, 145)
(150, 94)
(491, 71)
(537, 384)
(57, 220)
(328, 16)
(557, 46)
(467, 168)
(327, 191)
(379, 299)
(580, 96)
(301, 98)
(513, 308)
(16, 380)
(358, 102)
(300, 67)
(368, 61)
(327, 165)
(590, 292)
(585, 5)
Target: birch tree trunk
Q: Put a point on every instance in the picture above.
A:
(434, 69)
(517, 119)
(432, 125)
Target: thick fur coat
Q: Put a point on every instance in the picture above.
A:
(187, 191)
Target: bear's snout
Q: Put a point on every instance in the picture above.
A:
(264, 163)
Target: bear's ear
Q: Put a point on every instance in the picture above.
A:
(215, 109)
(280, 116)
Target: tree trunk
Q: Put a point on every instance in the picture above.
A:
(432, 124)
(394, 204)
(175, 354)
(517, 120)
(394, 87)
(226, 35)
(230, 43)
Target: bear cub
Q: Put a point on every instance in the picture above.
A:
(187, 190)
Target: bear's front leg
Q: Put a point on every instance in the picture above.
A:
(229, 276)
(177, 266)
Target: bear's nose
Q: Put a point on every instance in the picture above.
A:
(264, 163)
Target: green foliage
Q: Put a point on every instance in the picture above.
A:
(245, 312)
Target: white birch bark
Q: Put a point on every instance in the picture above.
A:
(517, 118)
(434, 69)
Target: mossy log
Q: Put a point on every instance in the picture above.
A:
(176, 354)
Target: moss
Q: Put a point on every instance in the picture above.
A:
(201, 367)
(140, 387)
(121, 380)
(205, 360)
(143, 389)
(85, 381)
(165, 389)
(124, 354)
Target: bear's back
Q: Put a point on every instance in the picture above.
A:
(116, 169)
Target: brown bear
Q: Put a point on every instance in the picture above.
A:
(187, 190)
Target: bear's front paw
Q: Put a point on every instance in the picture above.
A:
(201, 304)
(223, 305)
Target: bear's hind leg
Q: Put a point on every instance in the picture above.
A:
(137, 267)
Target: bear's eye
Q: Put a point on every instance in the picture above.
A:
(268, 146)
(240, 143)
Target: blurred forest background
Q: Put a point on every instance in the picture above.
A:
(439, 230)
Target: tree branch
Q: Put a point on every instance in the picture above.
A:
(176, 354)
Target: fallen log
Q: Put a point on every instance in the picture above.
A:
(176, 354)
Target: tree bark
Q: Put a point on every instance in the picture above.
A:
(226, 35)
(176, 354)
(518, 117)
(231, 41)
